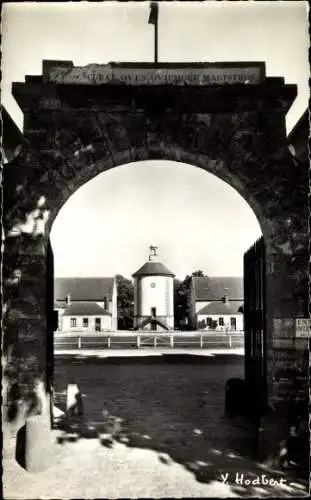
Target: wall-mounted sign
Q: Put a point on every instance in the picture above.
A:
(161, 74)
(303, 327)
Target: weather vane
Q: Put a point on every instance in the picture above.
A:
(153, 251)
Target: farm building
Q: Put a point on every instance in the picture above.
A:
(86, 304)
(216, 303)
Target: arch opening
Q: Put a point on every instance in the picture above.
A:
(169, 200)
(166, 155)
(163, 203)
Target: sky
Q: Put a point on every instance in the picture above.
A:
(198, 217)
(197, 221)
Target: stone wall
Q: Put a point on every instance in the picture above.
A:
(74, 132)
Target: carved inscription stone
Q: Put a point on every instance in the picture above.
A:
(149, 74)
(303, 328)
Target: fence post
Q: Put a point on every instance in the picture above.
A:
(138, 341)
(155, 341)
(230, 341)
(79, 342)
(109, 342)
(201, 341)
(172, 340)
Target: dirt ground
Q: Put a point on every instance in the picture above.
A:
(151, 427)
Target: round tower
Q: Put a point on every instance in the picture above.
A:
(153, 295)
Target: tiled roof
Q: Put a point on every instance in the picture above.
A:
(220, 307)
(93, 289)
(153, 269)
(60, 304)
(85, 309)
(206, 288)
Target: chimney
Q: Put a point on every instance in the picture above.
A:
(68, 299)
(226, 296)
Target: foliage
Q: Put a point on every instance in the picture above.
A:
(125, 302)
(198, 274)
(181, 297)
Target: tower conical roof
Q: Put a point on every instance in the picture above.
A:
(153, 267)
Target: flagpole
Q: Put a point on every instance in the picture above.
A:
(153, 19)
(156, 42)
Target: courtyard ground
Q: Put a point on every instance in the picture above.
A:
(153, 426)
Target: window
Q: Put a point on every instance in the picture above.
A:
(221, 322)
(209, 322)
(85, 322)
(73, 322)
(97, 324)
(233, 323)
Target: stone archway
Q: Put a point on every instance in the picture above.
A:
(75, 129)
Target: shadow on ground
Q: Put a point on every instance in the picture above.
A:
(173, 405)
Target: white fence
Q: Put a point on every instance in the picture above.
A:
(133, 340)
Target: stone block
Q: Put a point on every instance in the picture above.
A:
(9, 448)
(26, 335)
(39, 447)
(283, 328)
(301, 344)
(22, 243)
(285, 343)
(271, 435)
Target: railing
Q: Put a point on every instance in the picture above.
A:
(131, 340)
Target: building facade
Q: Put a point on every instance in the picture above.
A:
(86, 305)
(153, 295)
(216, 303)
